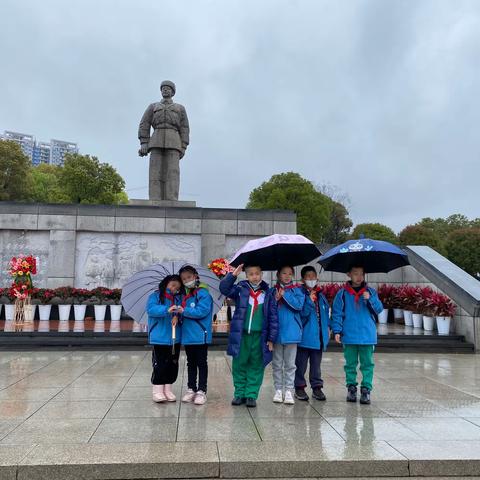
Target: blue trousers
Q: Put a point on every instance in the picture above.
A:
(304, 355)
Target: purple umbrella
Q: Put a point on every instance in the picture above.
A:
(276, 251)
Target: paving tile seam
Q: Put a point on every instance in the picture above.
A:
(116, 398)
(182, 384)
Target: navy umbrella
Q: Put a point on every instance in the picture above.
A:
(375, 256)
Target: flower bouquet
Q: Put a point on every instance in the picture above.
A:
(21, 269)
(220, 267)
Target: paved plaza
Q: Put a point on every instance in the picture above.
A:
(89, 414)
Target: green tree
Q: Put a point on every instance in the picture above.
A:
(47, 186)
(420, 235)
(15, 172)
(85, 180)
(289, 191)
(340, 224)
(462, 248)
(375, 231)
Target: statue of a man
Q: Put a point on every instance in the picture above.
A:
(167, 144)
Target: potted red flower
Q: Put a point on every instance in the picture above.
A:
(386, 295)
(443, 309)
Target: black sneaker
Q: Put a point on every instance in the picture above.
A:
(238, 401)
(318, 394)
(251, 403)
(365, 396)
(352, 393)
(301, 394)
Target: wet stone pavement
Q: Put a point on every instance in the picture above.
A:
(65, 410)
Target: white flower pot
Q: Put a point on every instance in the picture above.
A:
(383, 316)
(428, 323)
(29, 325)
(79, 312)
(136, 327)
(9, 312)
(115, 314)
(408, 316)
(64, 312)
(398, 314)
(64, 315)
(417, 319)
(44, 312)
(443, 325)
(100, 311)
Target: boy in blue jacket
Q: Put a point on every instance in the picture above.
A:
(253, 331)
(353, 324)
(290, 299)
(164, 334)
(197, 316)
(315, 336)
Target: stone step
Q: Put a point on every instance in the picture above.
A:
(239, 460)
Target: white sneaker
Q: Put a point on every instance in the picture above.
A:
(158, 395)
(278, 397)
(200, 398)
(289, 400)
(189, 396)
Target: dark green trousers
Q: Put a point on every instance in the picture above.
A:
(247, 368)
(355, 354)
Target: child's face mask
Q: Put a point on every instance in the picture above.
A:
(311, 283)
(190, 284)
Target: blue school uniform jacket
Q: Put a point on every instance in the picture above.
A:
(352, 316)
(160, 321)
(197, 317)
(241, 293)
(289, 321)
(315, 320)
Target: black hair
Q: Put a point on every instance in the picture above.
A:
(162, 286)
(285, 266)
(306, 269)
(250, 266)
(188, 268)
(356, 265)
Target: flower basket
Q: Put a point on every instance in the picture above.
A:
(21, 269)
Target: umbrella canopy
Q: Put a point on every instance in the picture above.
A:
(140, 285)
(276, 251)
(375, 256)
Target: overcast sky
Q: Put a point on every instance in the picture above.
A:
(380, 97)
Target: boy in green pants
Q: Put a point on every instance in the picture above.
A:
(253, 331)
(354, 325)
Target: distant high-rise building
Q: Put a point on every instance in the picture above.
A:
(60, 149)
(27, 142)
(52, 153)
(41, 153)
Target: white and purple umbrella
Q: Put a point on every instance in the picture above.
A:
(276, 251)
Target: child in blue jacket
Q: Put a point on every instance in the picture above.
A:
(253, 331)
(164, 334)
(197, 313)
(315, 336)
(353, 323)
(290, 299)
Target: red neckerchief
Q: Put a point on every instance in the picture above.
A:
(287, 287)
(317, 291)
(351, 291)
(255, 294)
(190, 295)
(169, 296)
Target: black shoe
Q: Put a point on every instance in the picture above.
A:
(301, 394)
(318, 394)
(352, 393)
(238, 401)
(365, 396)
(251, 403)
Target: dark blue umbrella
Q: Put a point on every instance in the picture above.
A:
(375, 256)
